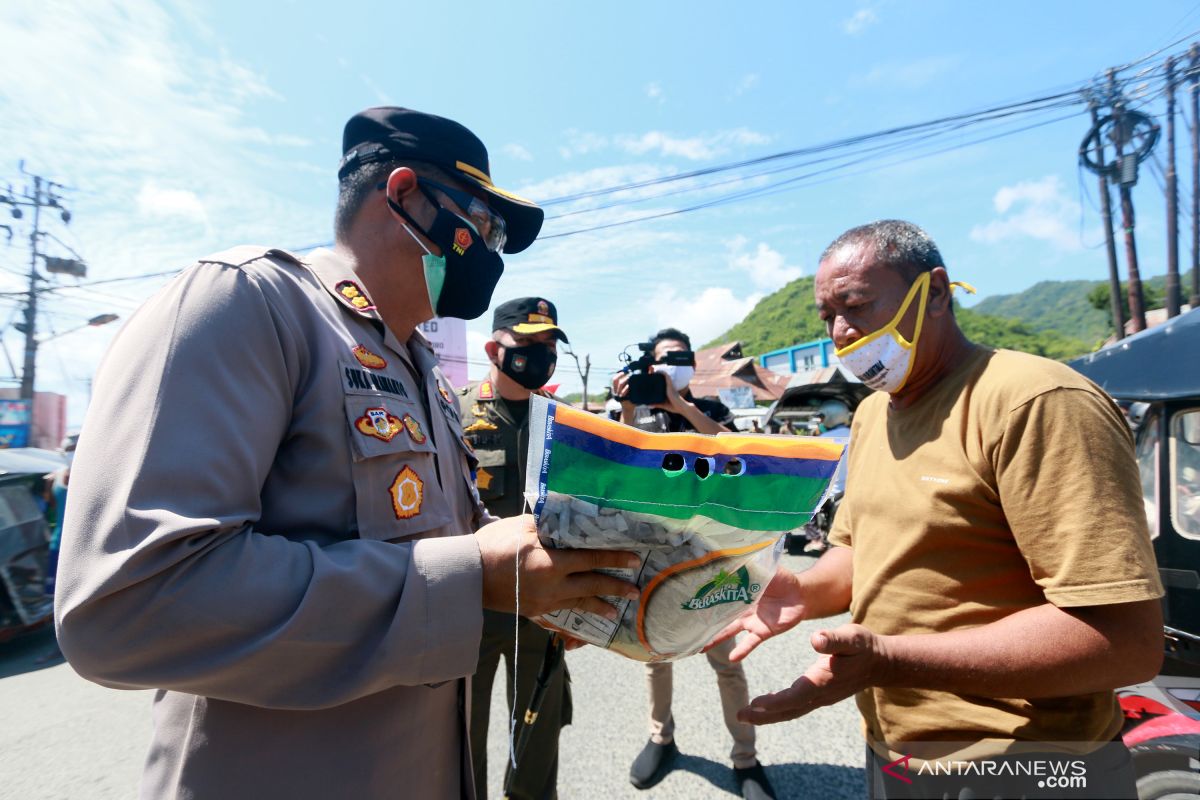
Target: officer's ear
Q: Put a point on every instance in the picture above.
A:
(400, 183)
(492, 348)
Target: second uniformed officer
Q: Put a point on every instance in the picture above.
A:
(495, 418)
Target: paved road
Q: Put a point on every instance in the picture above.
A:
(66, 739)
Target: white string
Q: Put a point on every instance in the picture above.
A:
(512, 719)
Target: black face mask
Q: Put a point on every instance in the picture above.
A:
(531, 365)
(468, 270)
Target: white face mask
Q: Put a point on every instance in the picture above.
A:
(884, 359)
(680, 376)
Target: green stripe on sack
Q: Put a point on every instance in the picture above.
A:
(751, 502)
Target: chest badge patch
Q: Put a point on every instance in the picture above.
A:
(367, 358)
(479, 425)
(355, 295)
(377, 422)
(407, 492)
(462, 240)
(483, 479)
(485, 391)
(414, 429)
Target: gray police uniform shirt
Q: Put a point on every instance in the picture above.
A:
(265, 519)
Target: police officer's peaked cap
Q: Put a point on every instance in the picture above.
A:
(388, 133)
(528, 315)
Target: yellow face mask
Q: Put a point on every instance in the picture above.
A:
(884, 359)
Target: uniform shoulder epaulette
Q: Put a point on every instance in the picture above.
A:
(245, 254)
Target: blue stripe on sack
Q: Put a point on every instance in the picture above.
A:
(546, 455)
(628, 456)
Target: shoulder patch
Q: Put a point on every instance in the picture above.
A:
(238, 256)
(354, 295)
(485, 391)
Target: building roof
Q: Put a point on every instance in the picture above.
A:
(724, 367)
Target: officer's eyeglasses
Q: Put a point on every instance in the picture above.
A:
(489, 224)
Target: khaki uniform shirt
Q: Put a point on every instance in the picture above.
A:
(1010, 485)
(500, 443)
(265, 519)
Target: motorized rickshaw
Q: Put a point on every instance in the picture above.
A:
(1155, 377)
(24, 540)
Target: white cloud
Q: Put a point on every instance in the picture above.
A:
(767, 268)
(571, 183)
(706, 315)
(862, 19)
(160, 138)
(910, 74)
(580, 143)
(155, 201)
(517, 152)
(1040, 210)
(654, 92)
(748, 82)
(694, 148)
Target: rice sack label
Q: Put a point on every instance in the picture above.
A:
(706, 514)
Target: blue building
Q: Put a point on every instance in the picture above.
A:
(801, 357)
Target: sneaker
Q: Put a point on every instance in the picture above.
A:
(754, 783)
(652, 764)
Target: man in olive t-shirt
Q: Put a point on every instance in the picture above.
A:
(992, 549)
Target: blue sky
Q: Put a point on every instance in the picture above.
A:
(189, 127)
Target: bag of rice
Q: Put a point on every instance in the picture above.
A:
(706, 513)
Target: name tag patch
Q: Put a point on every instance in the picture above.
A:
(355, 379)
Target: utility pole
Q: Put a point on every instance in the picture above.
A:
(1126, 177)
(31, 343)
(1172, 199)
(42, 195)
(1114, 276)
(1194, 78)
(584, 370)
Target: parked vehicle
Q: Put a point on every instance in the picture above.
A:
(805, 393)
(799, 404)
(1154, 375)
(24, 540)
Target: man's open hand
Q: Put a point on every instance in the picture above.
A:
(779, 609)
(851, 659)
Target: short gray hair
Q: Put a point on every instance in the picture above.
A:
(899, 244)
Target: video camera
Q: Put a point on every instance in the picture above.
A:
(647, 388)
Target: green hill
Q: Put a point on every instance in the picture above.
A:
(1051, 318)
(789, 316)
(1052, 305)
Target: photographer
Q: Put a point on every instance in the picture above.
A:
(680, 411)
(669, 354)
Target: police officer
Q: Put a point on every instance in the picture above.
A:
(495, 415)
(272, 500)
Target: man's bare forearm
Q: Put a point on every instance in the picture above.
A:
(825, 586)
(1044, 651)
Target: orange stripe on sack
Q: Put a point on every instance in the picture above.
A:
(680, 567)
(732, 444)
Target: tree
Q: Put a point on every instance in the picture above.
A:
(1100, 299)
